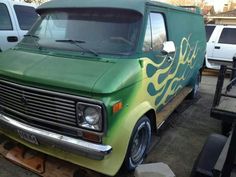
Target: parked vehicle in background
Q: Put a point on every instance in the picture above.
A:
(91, 82)
(221, 45)
(15, 20)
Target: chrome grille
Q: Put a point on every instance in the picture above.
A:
(39, 106)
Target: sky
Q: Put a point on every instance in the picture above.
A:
(218, 4)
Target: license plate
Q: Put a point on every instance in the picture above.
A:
(28, 137)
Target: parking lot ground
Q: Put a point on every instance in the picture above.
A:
(180, 142)
(183, 139)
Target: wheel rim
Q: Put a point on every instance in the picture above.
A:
(139, 144)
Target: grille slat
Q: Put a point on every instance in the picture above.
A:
(12, 106)
(34, 95)
(10, 89)
(48, 102)
(47, 116)
(47, 112)
(12, 101)
(30, 104)
(8, 97)
(39, 120)
(66, 110)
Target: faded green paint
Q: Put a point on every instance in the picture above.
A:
(143, 81)
(137, 5)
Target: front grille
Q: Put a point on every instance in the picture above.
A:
(39, 107)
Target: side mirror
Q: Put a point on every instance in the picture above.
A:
(168, 48)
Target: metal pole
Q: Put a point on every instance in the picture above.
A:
(233, 75)
(229, 162)
(219, 85)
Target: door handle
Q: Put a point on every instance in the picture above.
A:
(12, 39)
(217, 47)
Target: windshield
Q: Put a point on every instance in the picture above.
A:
(106, 31)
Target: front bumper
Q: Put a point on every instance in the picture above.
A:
(73, 145)
(215, 64)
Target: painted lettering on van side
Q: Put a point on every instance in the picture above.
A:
(168, 78)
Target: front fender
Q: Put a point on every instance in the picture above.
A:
(121, 134)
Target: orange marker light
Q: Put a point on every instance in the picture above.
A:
(117, 107)
(92, 137)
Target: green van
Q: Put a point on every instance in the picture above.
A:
(92, 80)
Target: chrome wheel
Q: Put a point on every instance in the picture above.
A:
(139, 143)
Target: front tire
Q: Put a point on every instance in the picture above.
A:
(139, 143)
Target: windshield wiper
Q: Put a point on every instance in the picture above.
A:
(34, 37)
(31, 35)
(77, 42)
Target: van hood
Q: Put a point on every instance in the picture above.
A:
(82, 76)
(74, 74)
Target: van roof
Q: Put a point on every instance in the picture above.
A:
(137, 5)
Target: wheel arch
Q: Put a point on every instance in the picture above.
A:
(151, 114)
(120, 149)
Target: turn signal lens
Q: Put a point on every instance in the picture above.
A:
(91, 137)
(117, 107)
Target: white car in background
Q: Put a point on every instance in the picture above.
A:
(15, 20)
(221, 45)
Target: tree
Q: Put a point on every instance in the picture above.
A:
(35, 1)
(186, 2)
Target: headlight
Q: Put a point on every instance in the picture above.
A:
(89, 116)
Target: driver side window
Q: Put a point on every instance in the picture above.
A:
(155, 33)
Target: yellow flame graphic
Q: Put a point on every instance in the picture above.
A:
(177, 72)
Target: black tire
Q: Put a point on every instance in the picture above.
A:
(139, 144)
(226, 127)
(196, 85)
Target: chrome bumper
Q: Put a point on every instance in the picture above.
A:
(73, 145)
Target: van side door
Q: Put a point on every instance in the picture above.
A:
(8, 33)
(225, 46)
(159, 69)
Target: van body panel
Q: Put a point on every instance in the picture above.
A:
(143, 81)
(138, 5)
(170, 77)
(67, 73)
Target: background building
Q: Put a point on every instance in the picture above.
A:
(229, 6)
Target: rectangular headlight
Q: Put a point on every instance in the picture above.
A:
(89, 116)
